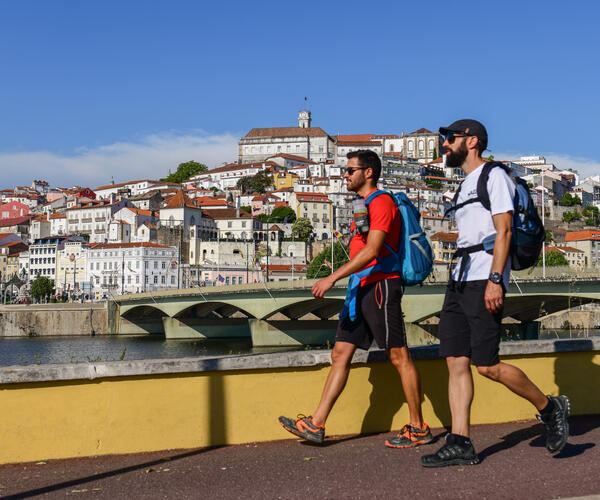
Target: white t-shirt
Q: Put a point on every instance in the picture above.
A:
(475, 222)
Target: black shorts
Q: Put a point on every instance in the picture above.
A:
(379, 316)
(466, 327)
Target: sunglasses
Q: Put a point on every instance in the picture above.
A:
(351, 170)
(451, 136)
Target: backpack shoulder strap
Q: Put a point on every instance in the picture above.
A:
(374, 195)
(482, 191)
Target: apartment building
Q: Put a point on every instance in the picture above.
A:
(93, 217)
(118, 268)
(317, 208)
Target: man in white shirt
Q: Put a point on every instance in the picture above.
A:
(470, 321)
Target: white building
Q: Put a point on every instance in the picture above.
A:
(308, 142)
(118, 268)
(43, 254)
(93, 218)
(71, 268)
(233, 224)
(228, 176)
(131, 188)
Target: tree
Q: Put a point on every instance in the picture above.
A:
(246, 208)
(568, 200)
(185, 171)
(553, 258)
(433, 184)
(317, 269)
(549, 237)
(41, 287)
(302, 228)
(571, 216)
(281, 214)
(591, 214)
(255, 183)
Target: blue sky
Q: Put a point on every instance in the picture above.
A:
(90, 90)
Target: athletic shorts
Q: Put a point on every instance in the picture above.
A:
(466, 327)
(378, 316)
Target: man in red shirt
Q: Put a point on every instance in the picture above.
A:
(379, 311)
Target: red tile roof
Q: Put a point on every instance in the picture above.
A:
(362, 138)
(292, 157)
(563, 249)
(449, 237)
(15, 221)
(312, 197)
(286, 132)
(588, 234)
(228, 213)
(421, 131)
(146, 244)
(180, 200)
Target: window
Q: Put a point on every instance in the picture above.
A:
(155, 264)
(163, 280)
(129, 279)
(233, 280)
(172, 280)
(164, 265)
(227, 280)
(156, 280)
(137, 280)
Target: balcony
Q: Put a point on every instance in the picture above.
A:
(100, 219)
(83, 221)
(73, 221)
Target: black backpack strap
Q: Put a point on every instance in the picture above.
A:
(454, 207)
(465, 254)
(482, 191)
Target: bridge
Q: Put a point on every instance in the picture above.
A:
(285, 313)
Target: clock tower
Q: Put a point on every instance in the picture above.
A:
(304, 119)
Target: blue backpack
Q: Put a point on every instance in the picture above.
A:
(528, 234)
(413, 260)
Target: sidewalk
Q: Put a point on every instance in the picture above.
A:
(515, 464)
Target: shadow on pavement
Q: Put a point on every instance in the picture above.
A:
(578, 426)
(387, 395)
(513, 439)
(103, 475)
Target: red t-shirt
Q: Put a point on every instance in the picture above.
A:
(384, 216)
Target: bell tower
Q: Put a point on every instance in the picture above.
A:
(304, 119)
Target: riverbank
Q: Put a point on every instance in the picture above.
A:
(42, 320)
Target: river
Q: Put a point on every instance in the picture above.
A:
(86, 349)
(43, 350)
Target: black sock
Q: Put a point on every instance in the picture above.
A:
(548, 408)
(462, 441)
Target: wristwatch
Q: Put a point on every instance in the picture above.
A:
(495, 278)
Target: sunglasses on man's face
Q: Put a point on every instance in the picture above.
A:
(451, 136)
(351, 170)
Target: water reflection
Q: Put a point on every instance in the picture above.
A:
(43, 350)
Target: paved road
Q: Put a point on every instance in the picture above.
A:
(515, 465)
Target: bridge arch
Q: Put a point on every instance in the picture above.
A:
(213, 309)
(322, 308)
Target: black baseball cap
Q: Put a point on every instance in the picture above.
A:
(468, 127)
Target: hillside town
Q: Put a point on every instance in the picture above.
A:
(261, 218)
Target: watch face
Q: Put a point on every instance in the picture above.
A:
(495, 278)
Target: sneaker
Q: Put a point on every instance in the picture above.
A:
(304, 427)
(451, 453)
(410, 436)
(557, 423)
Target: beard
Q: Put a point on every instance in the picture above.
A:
(457, 158)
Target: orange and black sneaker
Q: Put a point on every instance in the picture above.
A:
(410, 436)
(304, 427)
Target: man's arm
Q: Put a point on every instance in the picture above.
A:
(493, 292)
(364, 256)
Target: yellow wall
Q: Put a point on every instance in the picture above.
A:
(133, 414)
